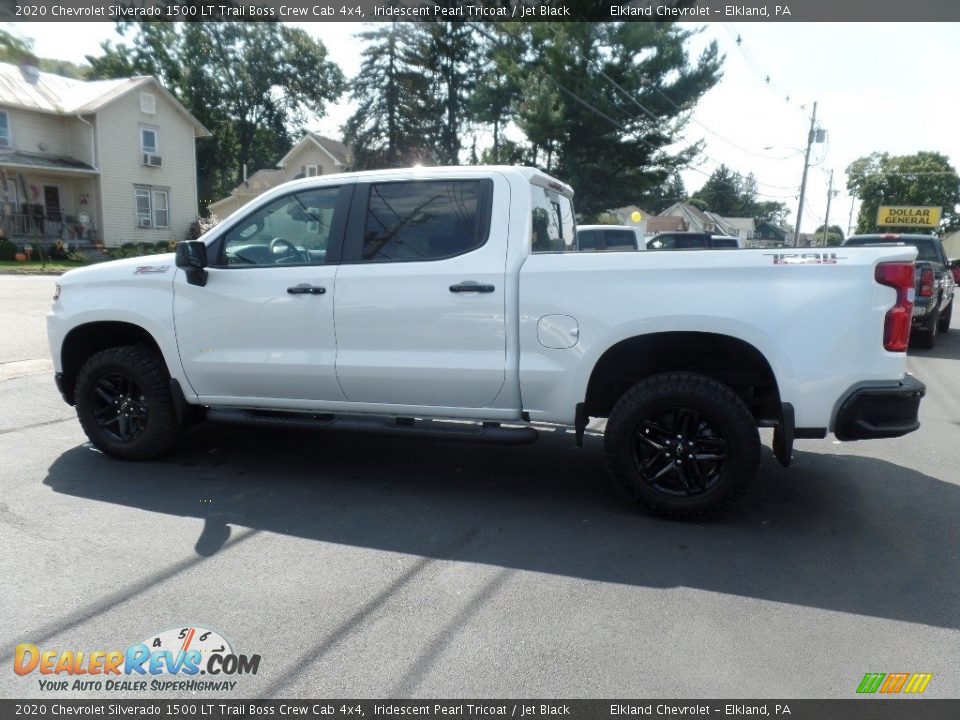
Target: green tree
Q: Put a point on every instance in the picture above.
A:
(252, 85)
(722, 192)
(448, 53)
(664, 195)
(602, 104)
(394, 124)
(14, 50)
(926, 178)
(771, 211)
(496, 93)
(829, 237)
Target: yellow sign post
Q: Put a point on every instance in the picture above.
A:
(908, 216)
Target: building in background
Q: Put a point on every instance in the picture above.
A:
(100, 162)
(313, 155)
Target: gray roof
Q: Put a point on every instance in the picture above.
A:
(336, 149)
(260, 181)
(53, 162)
(664, 223)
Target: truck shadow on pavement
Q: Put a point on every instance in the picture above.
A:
(838, 532)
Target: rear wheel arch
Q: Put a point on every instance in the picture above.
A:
(85, 341)
(729, 360)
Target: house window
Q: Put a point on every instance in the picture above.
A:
(153, 208)
(148, 141)
(4, 129)
(312, 171)
(148, 103)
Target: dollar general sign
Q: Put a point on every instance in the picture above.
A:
(908, 216)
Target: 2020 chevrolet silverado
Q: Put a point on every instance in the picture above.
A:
(398, 301)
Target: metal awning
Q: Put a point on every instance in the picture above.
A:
(36, 161)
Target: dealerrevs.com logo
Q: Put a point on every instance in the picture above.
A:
(180, 653)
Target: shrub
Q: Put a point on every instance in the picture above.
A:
(7, 250)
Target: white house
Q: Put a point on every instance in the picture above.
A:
(107, 161)
(312, 155)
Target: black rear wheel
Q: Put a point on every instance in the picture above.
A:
(927, 337)
(945, 317)
(124, 403)
(682, 444)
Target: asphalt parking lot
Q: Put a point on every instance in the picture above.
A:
(374, 567)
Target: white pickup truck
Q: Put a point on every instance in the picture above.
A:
(410, 301)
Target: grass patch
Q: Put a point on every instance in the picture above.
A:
(35, 266)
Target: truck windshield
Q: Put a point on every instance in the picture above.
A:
(552, 219)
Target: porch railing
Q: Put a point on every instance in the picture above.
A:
(47, 226)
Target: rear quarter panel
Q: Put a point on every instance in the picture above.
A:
(818, 324)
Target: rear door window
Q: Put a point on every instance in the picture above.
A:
(425, 220)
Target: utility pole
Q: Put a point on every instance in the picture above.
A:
(826, 220)
(803, 182)
(853, 199)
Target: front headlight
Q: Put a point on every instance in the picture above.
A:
(56, 292)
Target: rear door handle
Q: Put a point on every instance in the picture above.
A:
(471, 286)
(306, 289)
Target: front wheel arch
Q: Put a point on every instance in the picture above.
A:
(85, 341)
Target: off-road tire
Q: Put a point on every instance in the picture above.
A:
(142, 389)
(722, 421)
(926, 339)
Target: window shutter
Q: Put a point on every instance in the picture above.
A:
(148, 103)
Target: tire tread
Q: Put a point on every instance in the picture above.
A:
(658, 386)
(162, 430)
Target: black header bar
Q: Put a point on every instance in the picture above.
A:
(486, 10)
(200, 708)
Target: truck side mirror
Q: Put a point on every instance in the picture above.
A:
(192, 258)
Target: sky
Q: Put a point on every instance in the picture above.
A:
(879, 88)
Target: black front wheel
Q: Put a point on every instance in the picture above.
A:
(124, 403)
(682, 444)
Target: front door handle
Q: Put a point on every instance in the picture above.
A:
(306, 289)
(471, 286)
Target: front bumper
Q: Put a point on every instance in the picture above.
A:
(880, 412)
(61, 386)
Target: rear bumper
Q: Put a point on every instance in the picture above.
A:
(880, 412)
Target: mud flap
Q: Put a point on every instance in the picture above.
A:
(580, 422)
(783, 435)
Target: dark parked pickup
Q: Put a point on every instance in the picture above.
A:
(933, 301)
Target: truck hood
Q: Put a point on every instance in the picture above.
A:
(145, 266)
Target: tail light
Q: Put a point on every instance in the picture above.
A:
(896, 326)
(926, 282)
